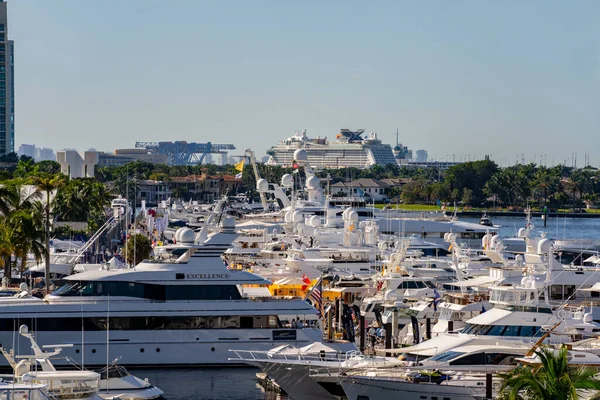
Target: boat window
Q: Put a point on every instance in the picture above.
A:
(569, 291)
(526, 331)
(499, 359)
(471, 359)
(446, 356)
(203, 292)
(523, 297)
(556, 292)
(143, 323)
(429, 284)
(512, 330)
(497, 330)
(150, 291)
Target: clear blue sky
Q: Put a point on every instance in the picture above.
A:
(455, 77)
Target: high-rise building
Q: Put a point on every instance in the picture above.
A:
(27, 150)
(7, 85)
(422, 156)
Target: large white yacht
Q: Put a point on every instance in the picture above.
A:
(185, 309)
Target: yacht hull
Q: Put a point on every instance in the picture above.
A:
(199, 347)
(295, 381)
(373, 388)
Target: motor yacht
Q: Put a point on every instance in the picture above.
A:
(112, 382)
(291, 368)
(185, 310)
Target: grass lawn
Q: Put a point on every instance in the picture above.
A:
(414, 207)
(450, 209)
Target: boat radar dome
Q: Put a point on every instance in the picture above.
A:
(314, 221)
(544, 246)
(186, 235)
(300, 155)
(262, 185)
(178, 233)
(297, 217)
(287, 181)
(313, 182)
(228, 224)
(352, 216)
(523, 233)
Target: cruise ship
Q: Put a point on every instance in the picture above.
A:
(350, 149)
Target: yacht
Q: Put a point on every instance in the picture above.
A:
(185, 308)
(25, 391)
(291, 368)
(112, 382)
(319, 212)
(485, 220)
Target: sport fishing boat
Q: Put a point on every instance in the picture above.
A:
(183, 308)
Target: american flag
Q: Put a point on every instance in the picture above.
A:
(316, 295)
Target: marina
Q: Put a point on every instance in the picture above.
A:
(306, 305)
(299, 200)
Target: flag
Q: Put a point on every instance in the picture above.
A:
(360, 192)
(316, 294)
(238, 176)
(240, 166)
(306, 281)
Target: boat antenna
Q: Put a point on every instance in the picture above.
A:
(82, 339)
(107, 337)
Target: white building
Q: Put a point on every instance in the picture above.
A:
(75, 164)
(421, 156)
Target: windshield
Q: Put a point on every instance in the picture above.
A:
(446, 356)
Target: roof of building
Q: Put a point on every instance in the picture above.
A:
(396, 181)
(202, 178)
(362, 183)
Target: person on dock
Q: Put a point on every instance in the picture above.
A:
(372, 333)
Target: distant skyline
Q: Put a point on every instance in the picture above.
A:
(462, 78)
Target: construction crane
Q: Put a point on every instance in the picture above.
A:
(185, 153)
(263, 197)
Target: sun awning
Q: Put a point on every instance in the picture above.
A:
(593, 259)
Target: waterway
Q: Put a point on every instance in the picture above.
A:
(241, 384)
(207, 383)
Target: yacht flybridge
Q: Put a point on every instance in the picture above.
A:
(186, 308)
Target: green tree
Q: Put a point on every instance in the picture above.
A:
(46, 185)
(471, 175)
(553, 379)
(6, 244)
(82, 199)
(467, 196)
(24, 221)
(139, 248)
(48, 167)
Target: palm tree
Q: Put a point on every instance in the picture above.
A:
(25, 234)
(552, 379)
(6, 246)
(47, 184)
(20, 219)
